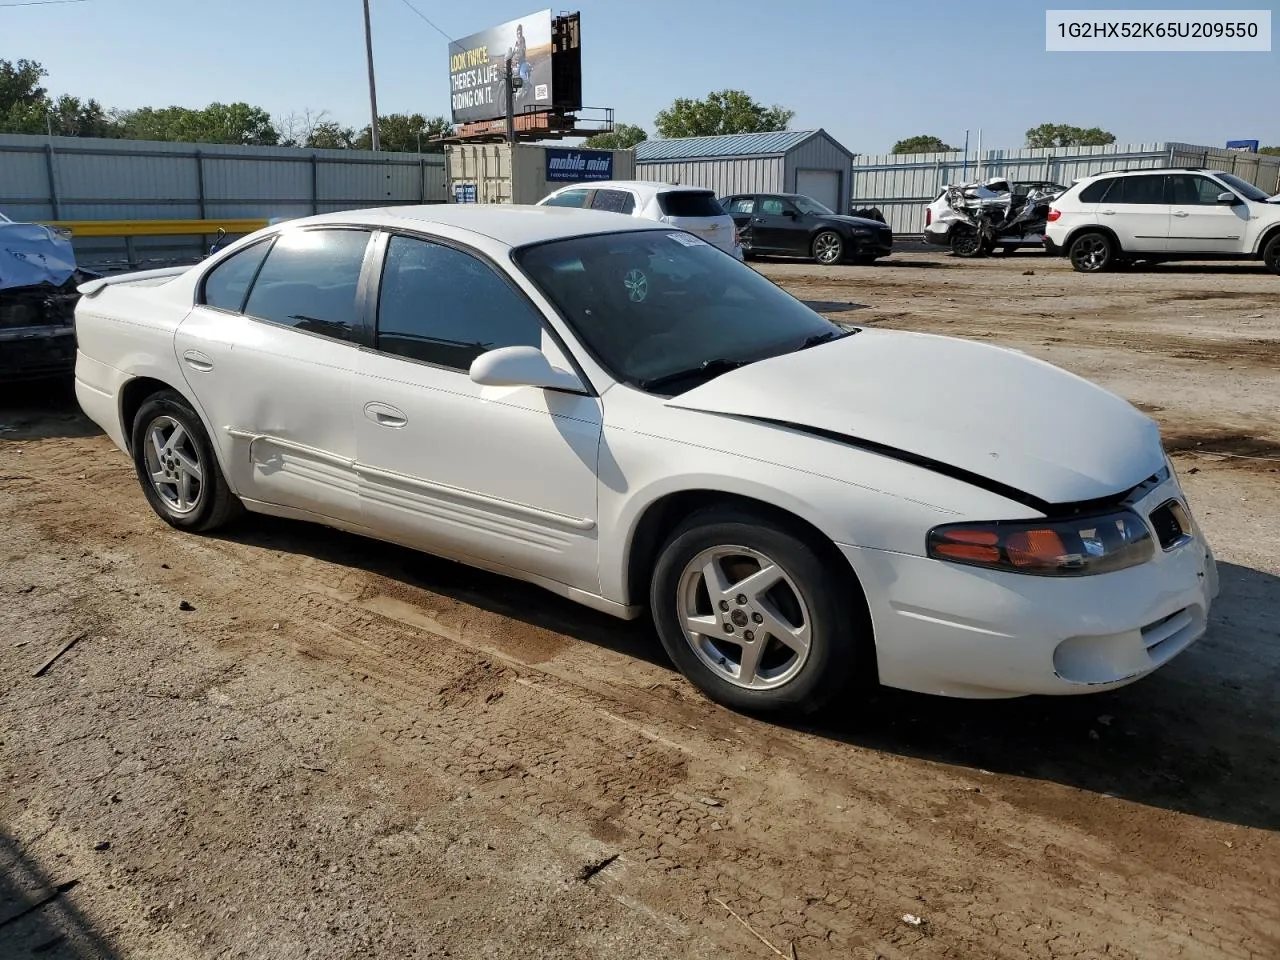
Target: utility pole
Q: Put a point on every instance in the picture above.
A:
(511, 107)
(373, 89)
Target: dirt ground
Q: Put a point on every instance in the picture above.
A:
(283, 742)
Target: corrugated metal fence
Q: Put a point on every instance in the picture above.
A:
(902, 185)
(71, 178)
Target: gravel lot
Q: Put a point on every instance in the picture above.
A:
(345, 749)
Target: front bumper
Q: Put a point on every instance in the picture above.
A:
(35, 353)
(962, 631)
(871, 244)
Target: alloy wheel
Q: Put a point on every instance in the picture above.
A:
(173, 465)
(744, 617)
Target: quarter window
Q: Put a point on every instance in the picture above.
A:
(1095, 191)
(227, 284)
(614, 201)
(442, 306)
(309, 282)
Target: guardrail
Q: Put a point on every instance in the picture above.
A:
(155, 228)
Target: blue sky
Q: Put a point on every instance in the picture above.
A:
(871, 73)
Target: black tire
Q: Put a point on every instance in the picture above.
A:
(827, 248)
(1092, 252)
(1271, 254)
(840, 650)
(210, 501)
(966, 242)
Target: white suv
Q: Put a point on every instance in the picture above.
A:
(1154, 215)
(694, 209)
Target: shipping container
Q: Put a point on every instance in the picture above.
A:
(506, 173)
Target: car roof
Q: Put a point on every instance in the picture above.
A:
(640, 186)
(1151, 170)
(511, 224)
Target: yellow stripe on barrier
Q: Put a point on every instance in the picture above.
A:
(154, 228)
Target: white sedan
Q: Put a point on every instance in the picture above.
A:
(631, 418)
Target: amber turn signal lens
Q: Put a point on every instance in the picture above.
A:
(1036, 548)
(973, 546)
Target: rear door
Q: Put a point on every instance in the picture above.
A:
(269, 354)
(699, 212)
(741, 210)
(1198, 222)
(1136, 209)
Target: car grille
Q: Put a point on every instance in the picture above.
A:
(1171, 524)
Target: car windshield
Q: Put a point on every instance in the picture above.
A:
(667, 311)
(1243, 187)
(808, 205)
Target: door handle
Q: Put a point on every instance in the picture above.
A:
(1107, 213)
(385, 415)
(1181, 213)
(197, 361)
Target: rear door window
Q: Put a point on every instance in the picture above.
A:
(1147, 190)
(570, 198)
(309, 282)
(742, 205)
(689, 203)
(614, 201)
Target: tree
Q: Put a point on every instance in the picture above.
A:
(1270, 151)
(20, 85)
(295, 129)
(1065, 135)
(406, 133)
(328, 135)
(922, 144)
(725, 111)
(623, 137)
(234, 123)
(25, 106)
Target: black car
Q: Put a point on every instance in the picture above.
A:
(795, 225)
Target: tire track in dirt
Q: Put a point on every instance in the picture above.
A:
(549, 741)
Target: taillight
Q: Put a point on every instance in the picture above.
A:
(1054, 214)
(928, 216)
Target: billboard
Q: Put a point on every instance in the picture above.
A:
(1245, 146)
(477, 69)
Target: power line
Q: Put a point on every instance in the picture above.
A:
(428, 21)
(40, 3)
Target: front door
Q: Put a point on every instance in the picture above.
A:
(1198, 223)
(779, 226)
(502, 475)
(269, 354)
(1136, 209)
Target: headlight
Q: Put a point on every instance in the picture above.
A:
(1076, 547)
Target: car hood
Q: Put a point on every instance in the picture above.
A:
(988, 415)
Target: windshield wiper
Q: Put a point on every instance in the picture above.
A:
(712, 368)
(827, 337)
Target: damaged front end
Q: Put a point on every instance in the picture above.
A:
(38, 295)
(998, 213)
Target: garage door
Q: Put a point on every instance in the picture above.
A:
(822, 185)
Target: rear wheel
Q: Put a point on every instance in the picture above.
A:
(177, 467)
(828, 248)
(1092, 252)
(1271, 254)
(966, 241)
(755, 616)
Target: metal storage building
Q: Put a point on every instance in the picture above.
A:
(901, 185)
(811, 162)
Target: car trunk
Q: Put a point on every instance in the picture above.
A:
(700, 213)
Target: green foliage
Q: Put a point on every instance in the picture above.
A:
(624, 137)
(922, 144)
(1270, 151)
(236, 123)
(1065, 135)
(722, 112)
(406, 133)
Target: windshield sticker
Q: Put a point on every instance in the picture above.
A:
(637, 285)
(688, 239)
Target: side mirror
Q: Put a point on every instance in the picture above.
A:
(521, 367)
(1228, 197)
(793, 214)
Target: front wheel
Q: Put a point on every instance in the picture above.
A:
(1092, 252)
(1271, 255)
(755, 617)
(828, 248)
(177, 467)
